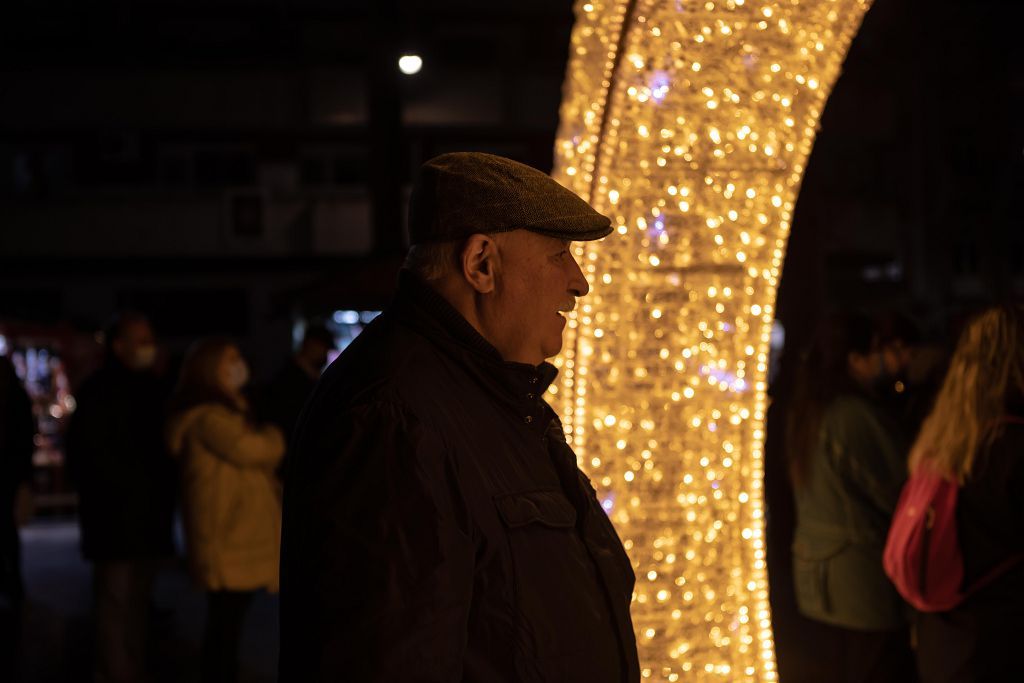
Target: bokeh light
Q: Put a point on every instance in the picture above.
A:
(689, 124)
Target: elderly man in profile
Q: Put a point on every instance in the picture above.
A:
(436, 527)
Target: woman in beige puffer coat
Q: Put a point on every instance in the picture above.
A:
(230, 495)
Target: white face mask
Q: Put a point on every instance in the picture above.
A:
(238, 375)
(144, 357)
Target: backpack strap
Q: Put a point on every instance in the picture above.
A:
(994, 573)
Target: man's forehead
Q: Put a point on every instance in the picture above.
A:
(529, 237)
(551, 241)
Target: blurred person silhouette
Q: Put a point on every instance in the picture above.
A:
(282, 398)
(912, 370)
(126, 487)
(230, 495)
(847, 464)
(897, 337)
(17, 432)
(975, 436)
(798, 640)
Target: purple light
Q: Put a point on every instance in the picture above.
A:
(735, 384)
(607, 504)
(656, 230)
(659, 85)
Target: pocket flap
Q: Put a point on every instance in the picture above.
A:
(550, 508)
(813, 549)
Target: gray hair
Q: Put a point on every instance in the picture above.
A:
(433, 261)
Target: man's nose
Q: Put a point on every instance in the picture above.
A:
(579, 285)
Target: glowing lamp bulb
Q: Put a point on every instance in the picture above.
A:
(410, 64)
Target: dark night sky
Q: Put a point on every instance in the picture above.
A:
(254, 156)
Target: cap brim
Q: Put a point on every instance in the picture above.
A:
(577, 229)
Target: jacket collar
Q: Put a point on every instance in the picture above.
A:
(420, 305)
(418, 302)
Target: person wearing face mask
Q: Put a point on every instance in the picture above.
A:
(847, 461)
(125, 481)
(281, 400)
(230, 495)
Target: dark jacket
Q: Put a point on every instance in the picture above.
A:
(978, 640)
(436, 527)
(843, 514)
(117, 459)
(281, 400)
(17, 434)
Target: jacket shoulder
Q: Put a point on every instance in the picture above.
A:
(92, 386)
(388, 362)
(850, 417)
(181, 424)
(848, 408)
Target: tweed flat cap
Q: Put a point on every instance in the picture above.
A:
(456, 195)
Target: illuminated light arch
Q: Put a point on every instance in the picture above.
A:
(690, 124)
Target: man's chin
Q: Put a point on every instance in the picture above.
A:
(553, 350)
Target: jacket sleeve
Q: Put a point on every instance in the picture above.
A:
(230, 436)
(377, 558)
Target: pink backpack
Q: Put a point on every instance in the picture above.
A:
(922, 553)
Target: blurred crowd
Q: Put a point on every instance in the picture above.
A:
(870, 414)
(863, 406)
(143, 444)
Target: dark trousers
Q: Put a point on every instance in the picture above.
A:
(122, 590)
(11, 586)
(225, 617)
(12, 593)
(874, 657)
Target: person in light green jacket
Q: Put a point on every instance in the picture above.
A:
(848, 464)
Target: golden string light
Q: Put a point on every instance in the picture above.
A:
(689, 124)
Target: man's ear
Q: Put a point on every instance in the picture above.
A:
(479, 260)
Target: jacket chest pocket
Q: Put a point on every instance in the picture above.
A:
(559, 601)
(813, 560)
(546, 508)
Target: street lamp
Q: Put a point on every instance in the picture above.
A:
(410, 64)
